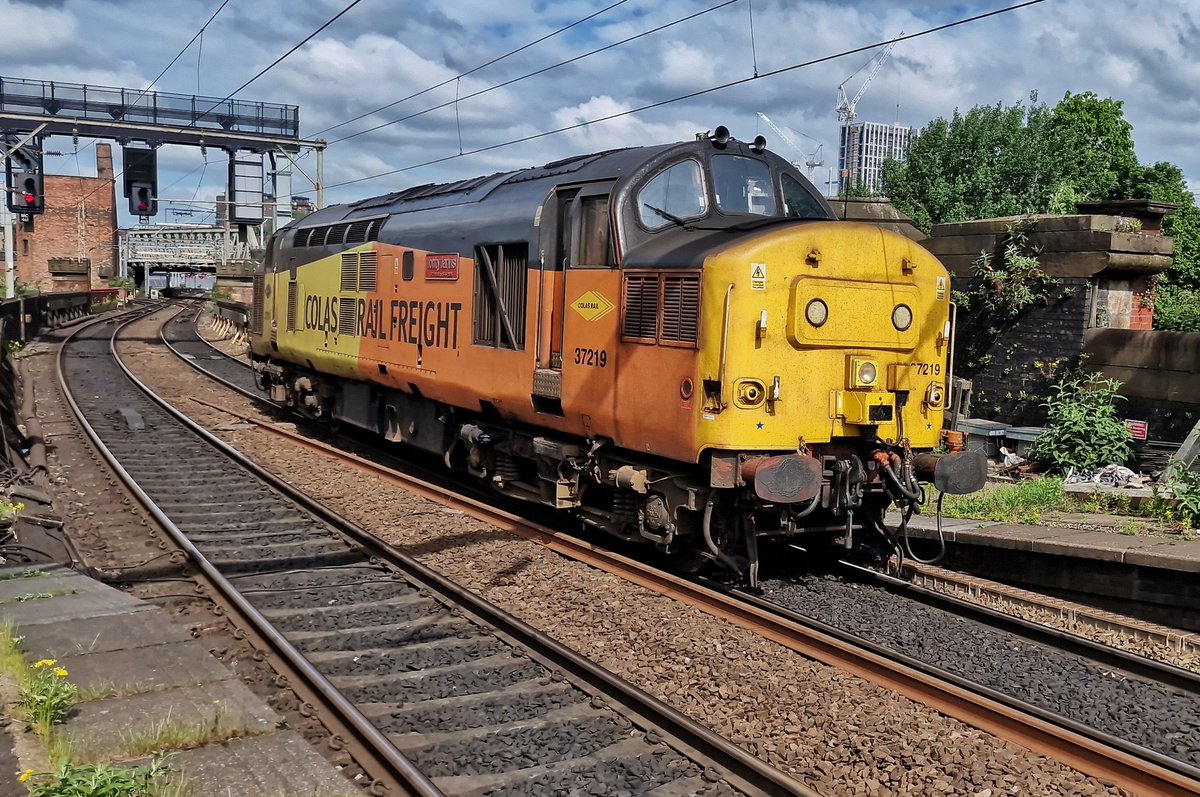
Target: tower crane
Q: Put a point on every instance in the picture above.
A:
(812, 160)
(846, 107)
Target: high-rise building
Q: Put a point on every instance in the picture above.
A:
(863, 148)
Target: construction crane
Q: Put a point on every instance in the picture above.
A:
(846, 107)
(812, 160)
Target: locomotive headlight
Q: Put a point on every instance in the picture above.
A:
(935, 395)
(817, 312)
(863, 372)
(902, 317)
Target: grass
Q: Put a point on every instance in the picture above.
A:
(104, 780)
(166, 735)
(26, 573)
(1023, 502)
(107, 689)
(12, 662)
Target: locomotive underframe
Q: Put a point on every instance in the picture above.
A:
(709, 511)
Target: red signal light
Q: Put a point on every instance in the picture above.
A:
(30, 200)
(143, 206)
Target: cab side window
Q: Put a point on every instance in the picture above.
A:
(798, 201)
(676, 191)
(595, 241)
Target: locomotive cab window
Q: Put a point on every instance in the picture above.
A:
(743, 185)
(595, 243)
(799, 202)
(675, 193)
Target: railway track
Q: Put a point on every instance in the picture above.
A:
(1136, 735)
(431, 689)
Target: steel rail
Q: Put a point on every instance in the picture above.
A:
(308, 682)
(1105, 757)
(1132, 663)
(742, 768)
(929, 576)
(1110, 759)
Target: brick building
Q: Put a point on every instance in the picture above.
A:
(73, 245)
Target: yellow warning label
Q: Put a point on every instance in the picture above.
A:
(940, 290)
(592, 306)
(758, 276)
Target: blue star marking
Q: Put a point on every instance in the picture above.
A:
(760, 426)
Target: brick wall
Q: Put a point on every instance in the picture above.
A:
(1013, 362)
(73, 245)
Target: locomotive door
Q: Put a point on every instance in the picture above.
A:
(578, 306)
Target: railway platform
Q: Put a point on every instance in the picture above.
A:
(1117, 563)
(144, 683)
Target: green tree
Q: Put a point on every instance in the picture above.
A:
(998, 160)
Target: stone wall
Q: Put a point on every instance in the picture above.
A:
(1013, 363)
(1159, 372)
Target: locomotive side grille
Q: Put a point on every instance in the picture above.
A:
(291, 306)
(373, 229)
(336, 234)
(367, 271)
(349, 271)
(302, 237)
(681, 309)
(347, 317)
(356, 233)
(641, 307)
(258, 282)
(500, 295)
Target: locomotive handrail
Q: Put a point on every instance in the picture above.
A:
(724, 343)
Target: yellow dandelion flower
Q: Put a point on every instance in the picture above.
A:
(37, 665)
(25, 775)
(19, 507)
(60, 672)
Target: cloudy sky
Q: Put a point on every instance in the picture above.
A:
(1139, 51)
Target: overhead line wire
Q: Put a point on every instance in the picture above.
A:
(537, 72)
(262, 72)
(165, 69)
(495, 60)
(694, 94)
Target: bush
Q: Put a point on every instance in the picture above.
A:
(1082, 428)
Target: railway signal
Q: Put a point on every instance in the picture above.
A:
(23, 177)
(142, 201)
(141, 179)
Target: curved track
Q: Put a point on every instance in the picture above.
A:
(434, 690)
(1115, 715)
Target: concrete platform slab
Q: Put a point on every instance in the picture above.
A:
(1009, 535)
(145, 668)
(279, 764)
(100, 634)
(69, 607)
(1168, 555)
(104, 728)
(1105, 546)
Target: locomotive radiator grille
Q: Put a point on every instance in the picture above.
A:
(367, 272)
(347, 316)
(681, 310)
(662, 308)
(258, 282)
(292, 296)
(349, 271)
(641, 308)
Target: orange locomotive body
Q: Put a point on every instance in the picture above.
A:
(678, 344)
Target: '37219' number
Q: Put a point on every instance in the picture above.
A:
(596, 358)
(928, 369)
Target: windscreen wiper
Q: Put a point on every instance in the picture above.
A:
(669, 217)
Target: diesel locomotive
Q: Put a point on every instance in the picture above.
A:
(678, 344)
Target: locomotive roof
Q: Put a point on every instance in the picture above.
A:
(606, 165)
